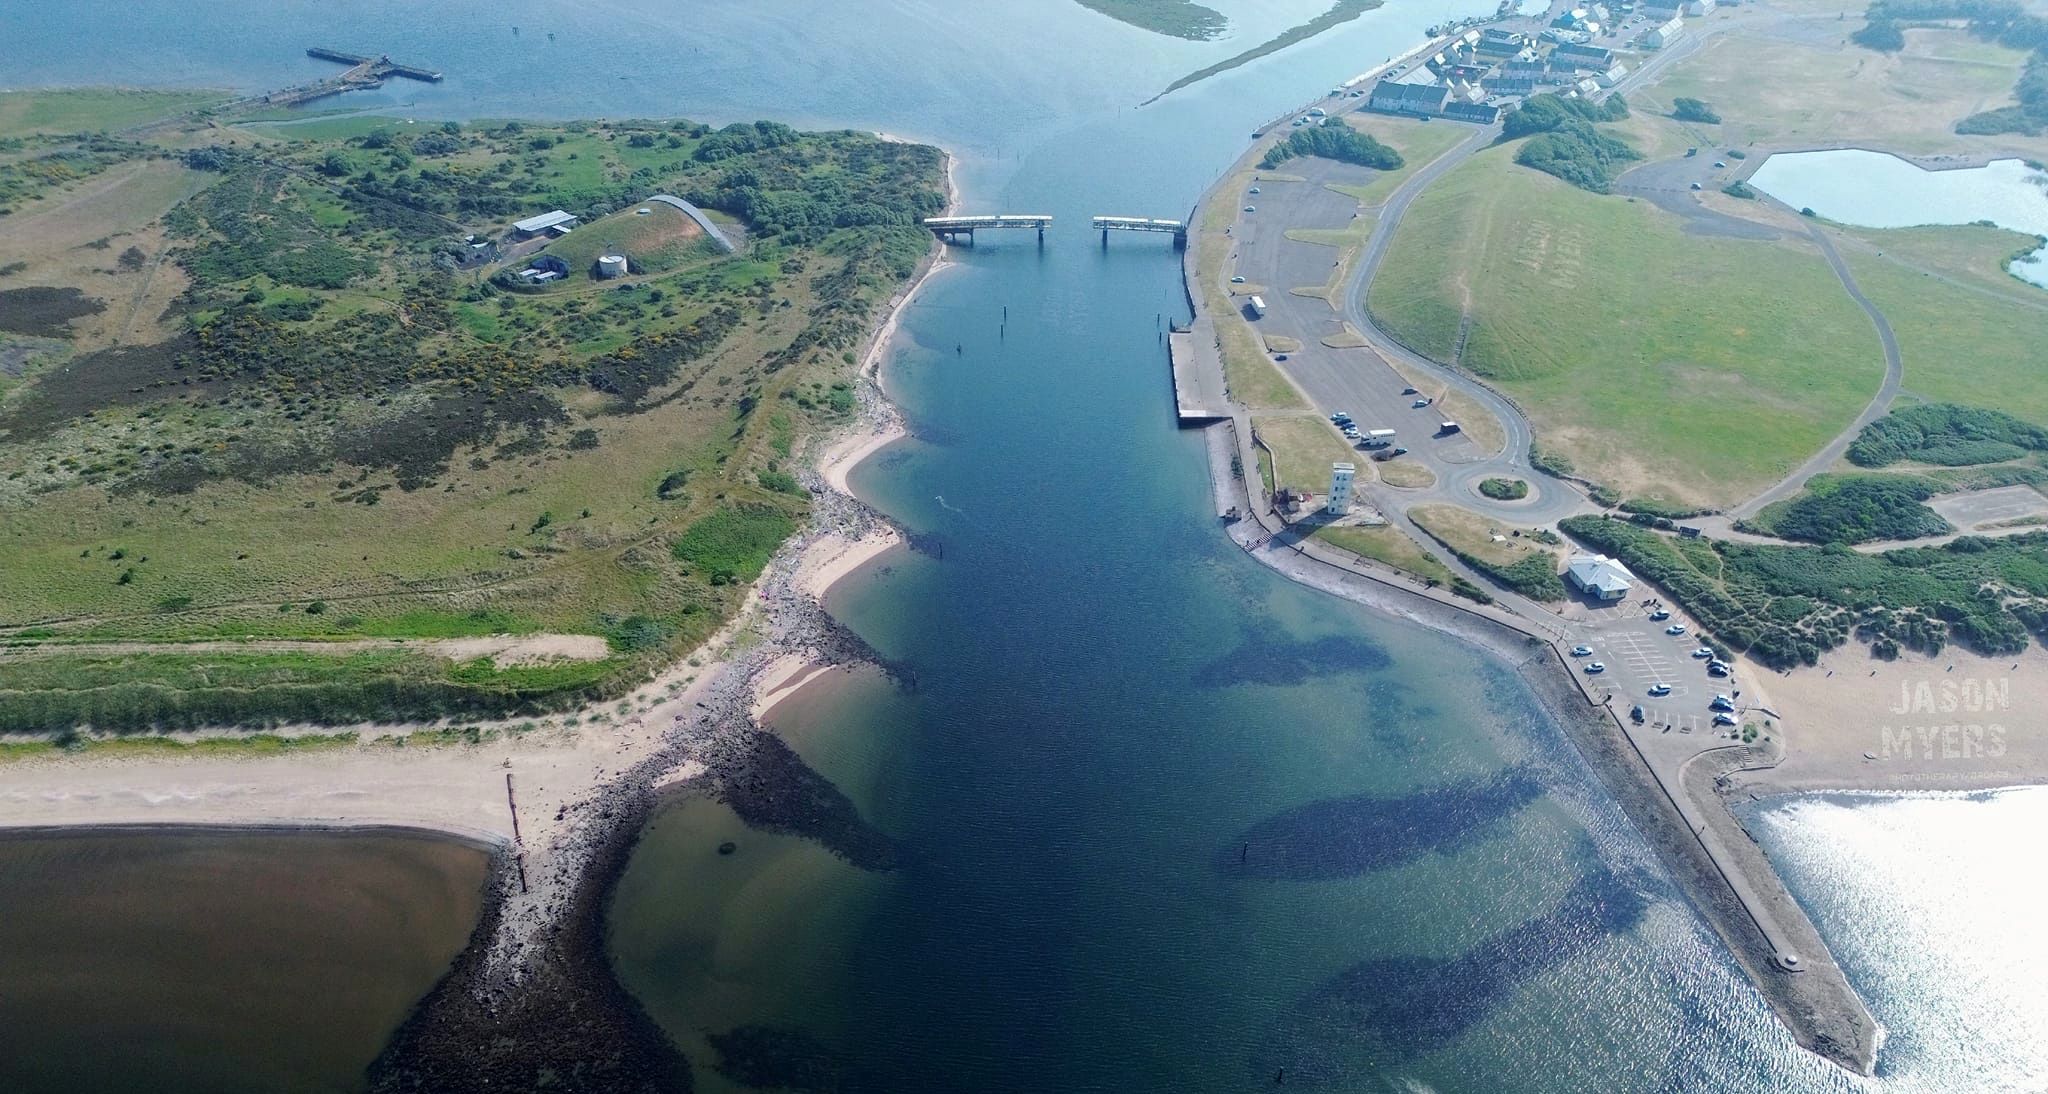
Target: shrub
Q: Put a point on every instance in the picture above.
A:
(1739, 189)
(1855, 509)
(1882, 35)
(1579, 154)
(732, 546)
(1504, 489)
(1945, 434)
(1334, 140)
(1693, 110)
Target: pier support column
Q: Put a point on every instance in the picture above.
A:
(1105, 239)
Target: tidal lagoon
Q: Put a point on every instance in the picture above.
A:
(1160, 819)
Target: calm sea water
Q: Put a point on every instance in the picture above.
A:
(1169, 822)
(1876, 190)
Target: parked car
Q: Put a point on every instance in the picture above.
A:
(1660, 615)
(1418, 404)
(1635, 714)
(1407, 391)
(1721, 702)
(1703, 653)
(1720, 163)
(1594, 668)
(1717, 668)
(1726, 720)
(1582, 651)
(1237, 280)
(1251, 208)
(1398, 452)
(1675, 629)
(1254, 190)
(1660, 691)
(1695, 185)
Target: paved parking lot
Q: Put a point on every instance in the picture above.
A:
(1640, 656)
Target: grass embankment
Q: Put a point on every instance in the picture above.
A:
(1420, 144)
(1786, 605)
(1406, 474)
(1254, 380)
(341, 437)
(1387, 544)
(1518, 563)
(1638, 350)
(1306, 447)
(662, 239)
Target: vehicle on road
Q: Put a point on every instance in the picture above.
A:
(1237, 280)
(1659, 616)
(1582, 651)
(1660, 691)
(1594, 668)
(1703, 653)
(1675, 629)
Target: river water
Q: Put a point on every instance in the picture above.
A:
(1168, 821)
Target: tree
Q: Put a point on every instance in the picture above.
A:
(335, 164)
(1693, 110)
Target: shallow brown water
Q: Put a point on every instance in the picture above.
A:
(219, 961)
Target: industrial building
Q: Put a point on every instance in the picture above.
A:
(556, 222)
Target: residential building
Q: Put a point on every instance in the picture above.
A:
(1666, 34)
(1422, 100)
(1478, 113)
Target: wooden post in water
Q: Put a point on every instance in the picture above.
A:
(518, 843)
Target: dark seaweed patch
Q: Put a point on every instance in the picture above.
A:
(773, 789)
(1389, 1011)
(45, 311)
(1268, 659)
(778, 1058)
(1343, 837)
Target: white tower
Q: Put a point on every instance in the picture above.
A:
(1340, 488)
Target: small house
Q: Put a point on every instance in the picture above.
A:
(1599, 577)
(1421, 100)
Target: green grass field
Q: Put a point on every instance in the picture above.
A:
(90, 110)
(1663, 364)
(1388, 544)
(1306, 447)
(1419, 143)
(1960, 345)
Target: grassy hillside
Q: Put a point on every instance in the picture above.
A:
(318, 427)
(1663, 364)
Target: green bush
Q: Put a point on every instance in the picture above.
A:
(1882, 35)
(1855, 509)
(1984, 593)
(1334, 140)
(1579, 154)
(1741, 190)
(1504, 489)
(1693, 110)
(1945, 434)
